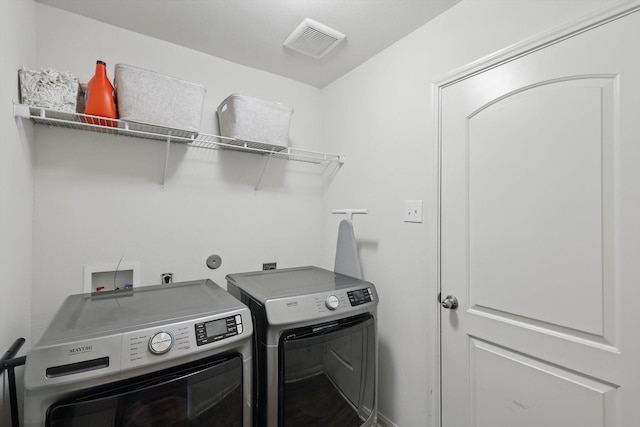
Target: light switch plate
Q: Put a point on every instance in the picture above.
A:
(413, 211)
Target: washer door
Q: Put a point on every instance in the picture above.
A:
(327, 374)
(207, 392)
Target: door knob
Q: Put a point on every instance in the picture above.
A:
(450, 302)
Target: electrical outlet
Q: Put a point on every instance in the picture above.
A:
(166, 278)
(269, 266)
(413, 211)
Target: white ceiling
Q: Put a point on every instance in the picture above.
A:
(251, 32)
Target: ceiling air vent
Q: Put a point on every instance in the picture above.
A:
(313, 38)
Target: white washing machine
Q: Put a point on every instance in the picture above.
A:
(175, 354)
(315, 347)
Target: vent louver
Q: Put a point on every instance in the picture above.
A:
(313, 38)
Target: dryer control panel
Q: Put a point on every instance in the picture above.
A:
(360, 296)
(303, 308)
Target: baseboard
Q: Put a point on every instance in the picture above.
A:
(384, 421)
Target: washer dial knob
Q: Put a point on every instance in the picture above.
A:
(160, 343)
(332, 302)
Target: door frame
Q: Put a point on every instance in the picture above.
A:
(526, 47)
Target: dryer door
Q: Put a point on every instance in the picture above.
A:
(208, 392)
(327, 374)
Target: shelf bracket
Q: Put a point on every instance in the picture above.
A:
(264, 168)
(21, 111)
(166, 160)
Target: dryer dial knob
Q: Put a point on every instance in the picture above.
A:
(332, 302)
(160, 343)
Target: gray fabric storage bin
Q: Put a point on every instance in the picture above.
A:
(148, 97)
(253, 119)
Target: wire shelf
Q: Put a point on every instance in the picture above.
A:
(276, 151)
(97, 124)
(104, 125)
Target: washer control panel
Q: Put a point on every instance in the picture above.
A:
(218, 329)
(157, 344)
(160, 343)
(145, 346)
(360, 296)
(332, 302)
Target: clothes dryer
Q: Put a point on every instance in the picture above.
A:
(315, 347)
(174, 354)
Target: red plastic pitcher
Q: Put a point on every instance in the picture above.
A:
(99, 98)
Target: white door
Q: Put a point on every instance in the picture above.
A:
(540, 235)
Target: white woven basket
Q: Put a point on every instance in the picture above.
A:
(48, 88)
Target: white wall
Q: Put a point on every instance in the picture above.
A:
(17, 48)
(381, 115)
(98, 197)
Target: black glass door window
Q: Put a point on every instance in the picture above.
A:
(208, 393)
(327, 374)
